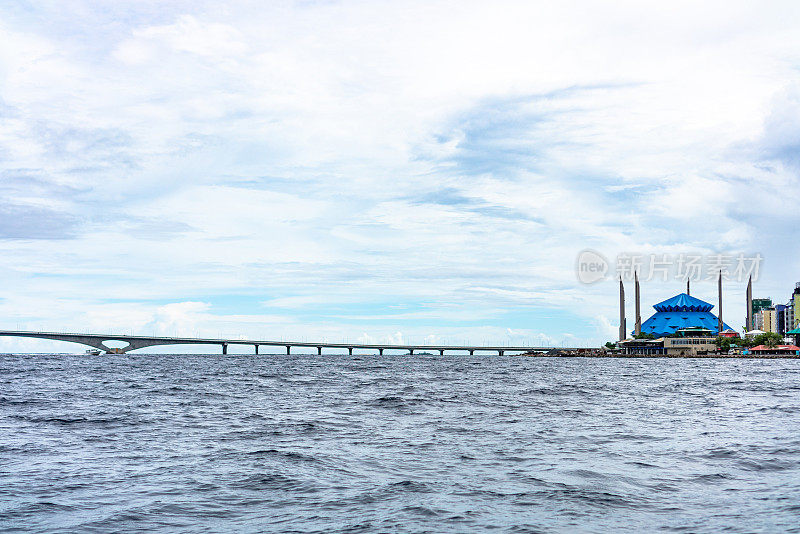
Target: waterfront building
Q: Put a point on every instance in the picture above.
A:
(767, 319)
(689, 346)
(642, 347)
(681, 312)
(780, 313)
(782, 350)
(682, 345)
(796, 334)
(789, 316)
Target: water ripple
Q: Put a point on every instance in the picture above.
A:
(161, 443)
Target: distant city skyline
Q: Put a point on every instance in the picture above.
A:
(386, 172)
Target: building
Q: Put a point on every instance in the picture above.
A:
(763, 316)
(642, 347)
(685, 343)
(767, 319)
(758, 321)
(689, 346)
(680, 312)
(759, 304)
(780, 311)
(756, 305)
(790, 312)
(788, 316)
(783, 350)
(796, 334)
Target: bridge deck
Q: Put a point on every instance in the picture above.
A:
(137, 342)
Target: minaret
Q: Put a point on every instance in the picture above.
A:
(638, 325)
(719, 310)
(749, 325)
(687, 287)
(622, 328)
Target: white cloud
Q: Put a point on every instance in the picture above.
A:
(187, 34)
(453, 157)
(605, 329)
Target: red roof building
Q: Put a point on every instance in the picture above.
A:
(778, 349)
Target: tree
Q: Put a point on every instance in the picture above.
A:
(769, 339)
(610, 345)
(724, 343)
(748, 342)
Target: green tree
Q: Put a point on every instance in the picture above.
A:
(611, 345)
(747, 342)
(769, 339)
(724, 343)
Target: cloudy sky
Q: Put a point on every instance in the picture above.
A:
(389, 171)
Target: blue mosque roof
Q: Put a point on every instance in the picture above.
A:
(683, 302)
(681, 311)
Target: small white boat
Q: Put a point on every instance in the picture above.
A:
(94, 352)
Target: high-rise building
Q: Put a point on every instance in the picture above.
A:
(769, 319)
(755, 312)
(758, 320)
(758, 304)
(789, 314)
(780, 312)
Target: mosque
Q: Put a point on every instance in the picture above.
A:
(681, 326)
(682, 313)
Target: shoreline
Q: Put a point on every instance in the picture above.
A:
(692, 356)
(487, 356)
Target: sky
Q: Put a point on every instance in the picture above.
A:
(396, 172)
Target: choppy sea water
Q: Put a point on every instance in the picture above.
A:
(176, 443)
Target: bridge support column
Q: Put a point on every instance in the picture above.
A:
(224, 348)
(288, 349)
(380, 352)
(500, 352)
(441, 352)
(410, 352)
(350, 350)
(256, 350)
(319, 351)
(472, 353)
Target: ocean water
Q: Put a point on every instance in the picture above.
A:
(177, 443)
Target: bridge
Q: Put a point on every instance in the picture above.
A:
(99, 341)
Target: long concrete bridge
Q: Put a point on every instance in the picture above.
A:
(99, 341)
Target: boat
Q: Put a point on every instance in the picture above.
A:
(94, 352)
